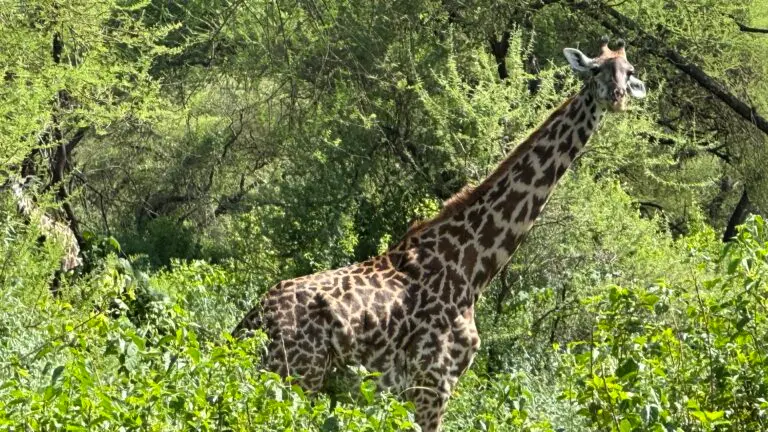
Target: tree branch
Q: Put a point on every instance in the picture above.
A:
(499, 48)
(746, 29)
(228, 203)
(650, 204)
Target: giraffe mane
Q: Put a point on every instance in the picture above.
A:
(469, 194)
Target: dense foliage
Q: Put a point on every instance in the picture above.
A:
(201, 151)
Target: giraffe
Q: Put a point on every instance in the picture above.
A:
(50, 226)
(409, 313)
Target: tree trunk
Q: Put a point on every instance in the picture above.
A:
(504, 292)
(738, 216)
(500, 48)
(58, 166)
(558, 318)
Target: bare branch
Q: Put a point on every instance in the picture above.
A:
(746, 29)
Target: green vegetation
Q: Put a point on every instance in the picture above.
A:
(201, 151)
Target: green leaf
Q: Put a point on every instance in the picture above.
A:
(714, 415)
(733, 265)
(625, 425)
(700, 416)
(630, 366)
(194, 353)
(649, 413)
(331, 424)
(114, 243)
(368, 389)
(56, 374)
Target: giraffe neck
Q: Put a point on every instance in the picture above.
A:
(479, 229)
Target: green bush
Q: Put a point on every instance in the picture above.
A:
(143, 367)
(687, 356)
(163, 239)
(152, 352)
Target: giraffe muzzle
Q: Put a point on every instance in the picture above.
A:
(619, 106)
(619, 101)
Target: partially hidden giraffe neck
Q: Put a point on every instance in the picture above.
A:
(479, 228)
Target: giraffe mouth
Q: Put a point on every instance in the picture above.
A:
(619, 105)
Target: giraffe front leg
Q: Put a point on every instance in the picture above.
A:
(430, 405)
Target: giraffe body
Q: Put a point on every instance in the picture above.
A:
(377, 315)
(409, 313)
(49, 225)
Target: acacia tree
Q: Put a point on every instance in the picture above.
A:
(73, 71)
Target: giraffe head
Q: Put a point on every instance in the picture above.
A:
(611, 75)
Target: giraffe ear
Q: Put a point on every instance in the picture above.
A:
(636, 87)
(579, 62)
